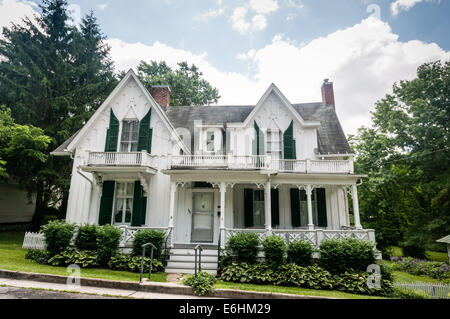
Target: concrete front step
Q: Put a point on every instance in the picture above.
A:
(188, 271)
(191, 252)
(187, 264)
(190, 258)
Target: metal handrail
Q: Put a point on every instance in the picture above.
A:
(199, 248)
(151, 261)
(218, 251)
(166, 254)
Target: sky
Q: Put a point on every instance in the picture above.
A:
(242, 46)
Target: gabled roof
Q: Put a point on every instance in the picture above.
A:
(445, 239)
(70, 144)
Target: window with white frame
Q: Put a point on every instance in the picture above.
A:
(123, 205)
(274, 144)
(129, 136)
(210, 141)
(258, 208)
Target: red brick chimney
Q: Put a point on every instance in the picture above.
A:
(161, 94)
(328, 93)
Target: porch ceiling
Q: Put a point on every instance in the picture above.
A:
(119, 170)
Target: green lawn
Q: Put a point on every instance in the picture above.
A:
(292, 290)
(12, 257)
(431, 255)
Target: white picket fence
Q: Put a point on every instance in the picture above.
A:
(435, 291)
(33, 241)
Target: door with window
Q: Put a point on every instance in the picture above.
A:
(123, 205)
(202, 216)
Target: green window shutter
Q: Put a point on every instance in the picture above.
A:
(112, 134)
(258, 142)
(136, 218)
(289, 142)
(321, 207)
(144, 210)
(275, 207)
(295, 207)
(145, 133)
(248, 207)
(106, 203)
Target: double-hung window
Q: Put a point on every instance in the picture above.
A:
(129, 136)
(123, 206)
(210, 141)
(258, 208)
(274, 144)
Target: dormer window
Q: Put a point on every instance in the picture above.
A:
(274, 144)
(210, 141)
(129, 136)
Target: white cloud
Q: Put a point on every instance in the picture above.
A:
(295, 4)
(363, 61)
(238, 19)
(74, 11)
(259, 22)
(405, 5)
(102, 6)
(14, 11)
(263, 6)
(211, 13)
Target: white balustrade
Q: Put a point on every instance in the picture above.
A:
(120, 159)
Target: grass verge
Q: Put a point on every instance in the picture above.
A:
(12, 257)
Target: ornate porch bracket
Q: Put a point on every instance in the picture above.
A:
(275, 186)
(144, 184)
(180, 184)
(260, 185)
(98, 180)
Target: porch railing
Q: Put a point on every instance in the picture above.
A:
(315, 237)
(128, 233)
(262, 162)
(120, 159)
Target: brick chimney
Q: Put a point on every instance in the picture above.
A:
(161, 94)
(328, 93)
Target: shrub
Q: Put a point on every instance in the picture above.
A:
(313, 277)
(58, 235)
(434, 269)
(202, 283)
(86, 238)
(244, 247)
(127, 262)
(83, 258)
(259, 273)
(300, 253)
(156, 237)
(402, 293)
(338, 255)
(415, 251)
(38, 255)
(274, 250)
(108, 239)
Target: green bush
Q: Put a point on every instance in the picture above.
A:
(259, 273)
(108, 240)
(274, 250)
(339, 255)
(244, 247)
(202, 283)
(86, 238)
(131, 263)
(58, 235)
(83, 258)
(156, 237)
(402, 293)
(300, 253)
(312, 277)
(38, 255)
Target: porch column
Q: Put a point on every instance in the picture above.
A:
(268, 208)
(223, 190)
(173, 189)
(308, 197)
(356, 207)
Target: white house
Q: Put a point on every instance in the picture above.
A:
(203, 173)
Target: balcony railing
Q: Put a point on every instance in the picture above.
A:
(120, 159)
(261, 162)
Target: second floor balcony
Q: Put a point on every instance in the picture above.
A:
(261, 162)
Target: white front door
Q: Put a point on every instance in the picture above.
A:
(202, 216)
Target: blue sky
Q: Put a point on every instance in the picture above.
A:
(242, 46)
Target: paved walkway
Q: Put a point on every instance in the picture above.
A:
(110, 292)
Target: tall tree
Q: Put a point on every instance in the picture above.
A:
(407, 156)
(54, 76)
(186, 83)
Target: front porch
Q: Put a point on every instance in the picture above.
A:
(209, 207)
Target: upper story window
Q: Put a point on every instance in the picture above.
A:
(210, 141)
(129, 136)
(274, 144)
